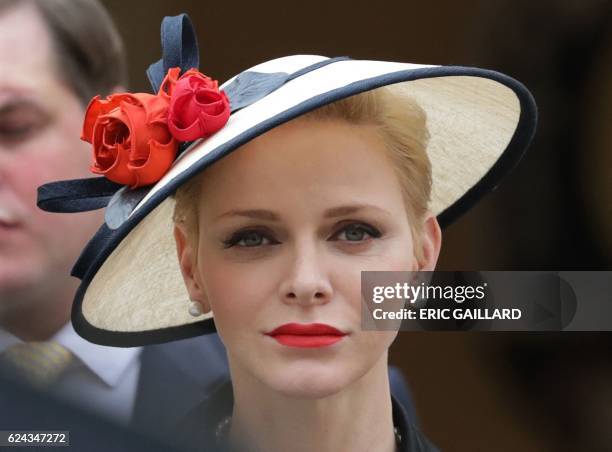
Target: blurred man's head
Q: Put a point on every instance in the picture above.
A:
(55, 55)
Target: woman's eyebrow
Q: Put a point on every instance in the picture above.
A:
(259, 214)
(351, 209)
(262, 214)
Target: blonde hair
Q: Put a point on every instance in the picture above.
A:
(401, 124)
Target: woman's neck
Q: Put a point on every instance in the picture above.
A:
(357, 418)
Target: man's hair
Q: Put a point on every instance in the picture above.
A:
(87, 47)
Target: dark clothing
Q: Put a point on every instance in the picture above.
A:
(410, 438)
(174, 379)
(205, 429)
(401, 392)
(27, 409)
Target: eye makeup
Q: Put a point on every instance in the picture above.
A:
(257, 236)
(250, 237)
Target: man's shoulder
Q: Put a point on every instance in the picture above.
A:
(177, 376)
(202, 360)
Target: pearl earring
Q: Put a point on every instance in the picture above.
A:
(195, 309)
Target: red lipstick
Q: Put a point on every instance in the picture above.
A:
(311, 335)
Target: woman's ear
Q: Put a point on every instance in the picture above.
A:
(431, 241)
(188, 264)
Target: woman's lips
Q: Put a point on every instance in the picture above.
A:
(311, 335)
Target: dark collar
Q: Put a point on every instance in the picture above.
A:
(410, 438)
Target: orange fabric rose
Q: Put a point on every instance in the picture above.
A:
(131, 141)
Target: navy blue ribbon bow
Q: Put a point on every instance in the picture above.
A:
(179, 49)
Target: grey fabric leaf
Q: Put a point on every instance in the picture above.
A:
(248, 87)
(121, 205)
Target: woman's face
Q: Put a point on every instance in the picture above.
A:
(287, 224)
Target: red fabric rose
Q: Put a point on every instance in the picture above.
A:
(197, 107)
(131, 141)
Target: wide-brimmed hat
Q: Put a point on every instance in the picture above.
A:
(132, 292)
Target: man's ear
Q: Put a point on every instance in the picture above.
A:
(188, 264)
(431, 241)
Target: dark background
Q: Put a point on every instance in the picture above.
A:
(473, 391)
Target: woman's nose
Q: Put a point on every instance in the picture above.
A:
(307, 281)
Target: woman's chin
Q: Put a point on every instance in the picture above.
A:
(309, 384)
(310, 390)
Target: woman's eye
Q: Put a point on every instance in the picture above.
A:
(248, 239)
(252, 239)
(356, 233)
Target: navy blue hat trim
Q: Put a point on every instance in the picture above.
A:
(100, 250)
(91, 250)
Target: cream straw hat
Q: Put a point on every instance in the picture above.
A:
(132, 292)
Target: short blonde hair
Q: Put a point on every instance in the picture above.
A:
(402, 125)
